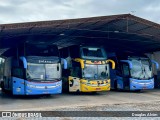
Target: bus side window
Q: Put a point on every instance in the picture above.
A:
(17, 72)
(119, 72)
(99, 53)
(119, 69)
(125, 69)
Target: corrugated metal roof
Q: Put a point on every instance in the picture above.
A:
(116, 32)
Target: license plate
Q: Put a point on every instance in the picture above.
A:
(144, 87)
(98, 88)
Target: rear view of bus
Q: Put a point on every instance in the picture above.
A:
(35, 70)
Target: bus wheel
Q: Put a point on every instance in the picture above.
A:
(2, 86)
(115, 85)
(137, 91)
(65, 87)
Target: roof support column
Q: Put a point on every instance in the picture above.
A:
(127, 25)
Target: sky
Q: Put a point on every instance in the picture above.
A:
(16, 11)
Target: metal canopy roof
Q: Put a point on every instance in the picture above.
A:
(117, 32)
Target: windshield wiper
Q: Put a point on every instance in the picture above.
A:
(142, 71)
(146, 74)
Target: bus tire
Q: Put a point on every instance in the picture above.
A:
(65, 87)
(115, 85)
(2, 86)
(137, 91)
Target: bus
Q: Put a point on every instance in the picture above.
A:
(88, 69)
(32, 69)
(133, 72)
(1, 69)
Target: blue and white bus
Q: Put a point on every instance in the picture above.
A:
(33, 69)
(132, 73)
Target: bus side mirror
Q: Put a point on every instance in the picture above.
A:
(113, 63)
(129, 62)
(64, 61)
(156, 63)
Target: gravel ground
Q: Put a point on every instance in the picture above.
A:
(60, 105)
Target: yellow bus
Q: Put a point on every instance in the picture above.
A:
(88, 69)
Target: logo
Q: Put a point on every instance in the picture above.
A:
(20, 114)
(6, 114)
(97, 62)
(44, 61)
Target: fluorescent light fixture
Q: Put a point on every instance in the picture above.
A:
(61, 34)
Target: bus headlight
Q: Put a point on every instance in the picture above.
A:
(152, 80)
(58, 84)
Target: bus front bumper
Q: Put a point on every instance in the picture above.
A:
(136, 84)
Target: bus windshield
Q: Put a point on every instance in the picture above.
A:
(141, 68)
(95, 71)
(39, 50)
(93, 53)
(43, 71)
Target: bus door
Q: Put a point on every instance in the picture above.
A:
(125, 75)
(18, 82)
(7, 74)
(7, 82)
(75, 78)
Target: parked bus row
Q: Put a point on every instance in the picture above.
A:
(34, 69)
